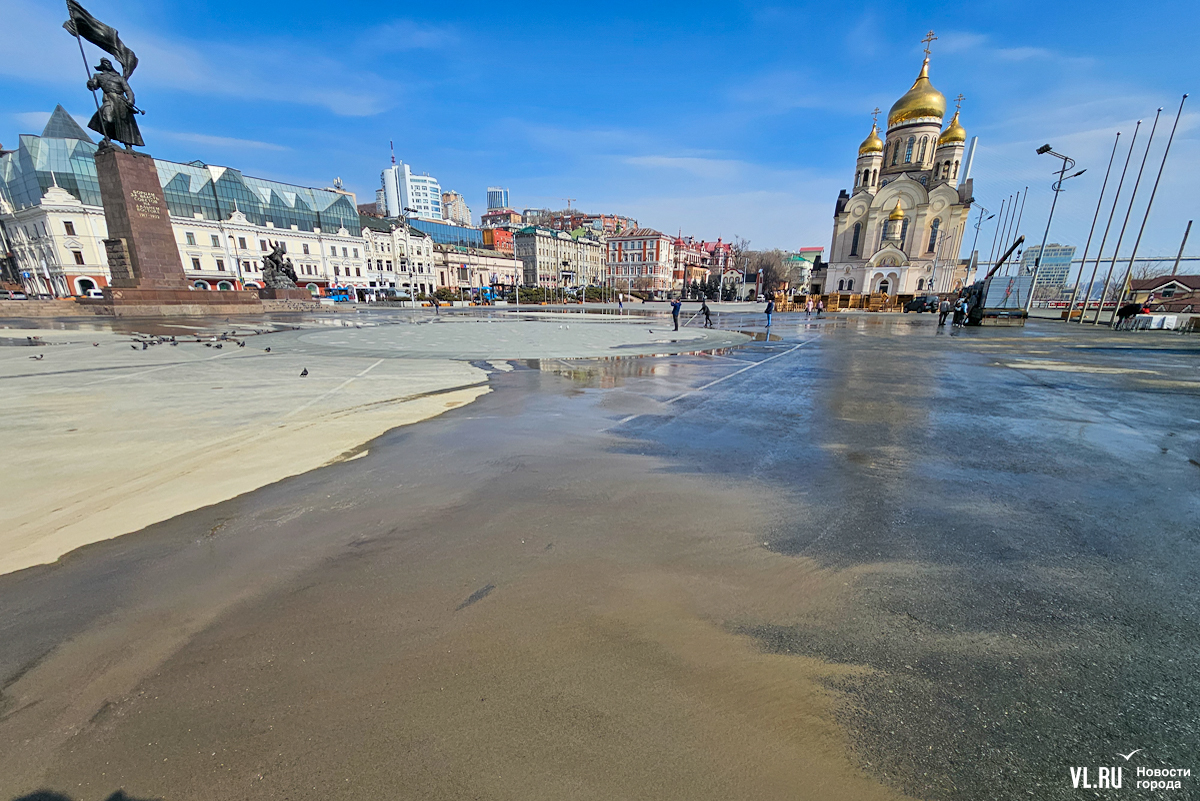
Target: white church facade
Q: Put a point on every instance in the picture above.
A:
(901, 229)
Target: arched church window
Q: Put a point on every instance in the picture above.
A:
(903, 233)
(924, 142)
(854, 242)
(908, 151)
(874, 177)
(920, 284)
(955, 170)
(895, 152)
(841, 285)
(849, 284)
(933, 234)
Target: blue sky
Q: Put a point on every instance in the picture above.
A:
(717, 119)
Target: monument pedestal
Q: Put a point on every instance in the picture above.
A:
(143, 256)
(270, 293)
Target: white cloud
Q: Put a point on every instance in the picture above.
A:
(227, 142)
(277, 69)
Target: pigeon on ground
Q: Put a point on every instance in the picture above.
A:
(241, 344)
(208, 344)
(133, 346)
(268, 350)
(219, 345)
(145, 346)
(304, 372)
(95, 344)
(173, 343)
(37, 358)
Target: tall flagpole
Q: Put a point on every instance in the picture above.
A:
(1142, 230)
(1086, 247)
(1137, 181)
(1108, 226)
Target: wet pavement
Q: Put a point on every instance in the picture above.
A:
(858, 558)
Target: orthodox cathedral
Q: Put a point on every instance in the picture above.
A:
(901, 230)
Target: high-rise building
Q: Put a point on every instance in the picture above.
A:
(410, 195)
(497, 197)
(454, 208)
(1055, 266)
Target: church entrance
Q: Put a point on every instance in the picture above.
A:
(883, 286)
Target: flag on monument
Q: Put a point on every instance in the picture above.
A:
(102, 36)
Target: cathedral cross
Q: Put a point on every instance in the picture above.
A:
(928, 40)
(958, 101)
(875, 116)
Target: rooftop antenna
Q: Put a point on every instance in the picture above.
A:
(392, 147)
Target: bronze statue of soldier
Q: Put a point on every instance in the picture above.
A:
(117, 116)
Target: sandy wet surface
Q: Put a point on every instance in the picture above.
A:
(859, 560)
(104, 437)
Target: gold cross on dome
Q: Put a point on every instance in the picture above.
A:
(958, 101)
(928, 40)
(875, 115)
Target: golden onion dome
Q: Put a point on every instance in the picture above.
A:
(872, 144)
(897, 213)
(920, 102)
(954, 133)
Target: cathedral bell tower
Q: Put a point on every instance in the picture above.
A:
(870, 159)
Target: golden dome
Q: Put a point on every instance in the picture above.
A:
(954, 133)
(919, 102)
(897, 213)
(872, 144)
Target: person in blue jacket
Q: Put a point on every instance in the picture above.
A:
(676, 305)
(770, 310)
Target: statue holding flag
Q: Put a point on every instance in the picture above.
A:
(116, 117)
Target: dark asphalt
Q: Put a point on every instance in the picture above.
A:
(1015, 511)
(1031, 539)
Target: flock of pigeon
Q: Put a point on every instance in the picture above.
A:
(146, 341)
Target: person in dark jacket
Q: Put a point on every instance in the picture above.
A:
(707, 313)
(770, 310)
(675, 306)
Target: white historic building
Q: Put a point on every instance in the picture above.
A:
(901, 230)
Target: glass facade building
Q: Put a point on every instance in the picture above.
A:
(64, 155)
(1055, 267)
(447, 234)
(497, 197)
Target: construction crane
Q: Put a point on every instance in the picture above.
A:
(569, 200)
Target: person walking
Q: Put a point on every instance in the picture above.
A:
(808, 309)
(620, 303)
(708, 323)
(944, 312)
(675, 306)
(770, 310)
(820, 307)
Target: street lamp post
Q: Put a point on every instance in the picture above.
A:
(1067, 164)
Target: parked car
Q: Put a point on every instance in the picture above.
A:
(14, 295)
(928, 303)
